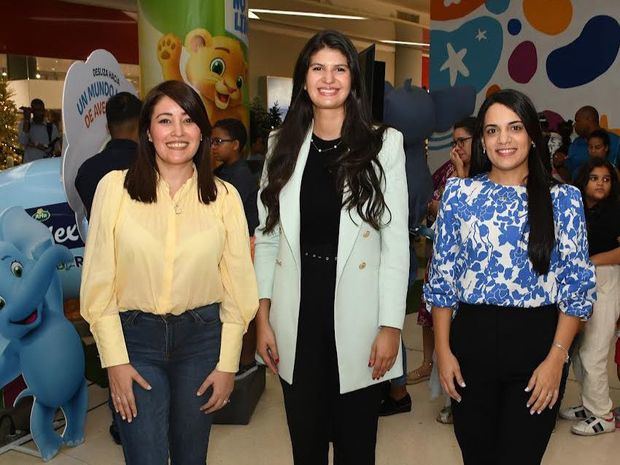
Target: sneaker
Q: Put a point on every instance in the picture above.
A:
(617, 415)
(577, 413)
(445, 416)
(391, 406)
(593, 426)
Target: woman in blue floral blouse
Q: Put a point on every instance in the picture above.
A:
(510, 262)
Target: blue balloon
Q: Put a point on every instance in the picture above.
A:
(36, 340)
(417, 113)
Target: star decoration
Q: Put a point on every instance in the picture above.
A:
(482, 35)
(455, 64)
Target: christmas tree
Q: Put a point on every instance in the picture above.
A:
(275, 116)
(259, 120)
(8, 128)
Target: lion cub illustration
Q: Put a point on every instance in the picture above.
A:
(216, 68)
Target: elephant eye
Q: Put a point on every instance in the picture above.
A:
(2, 303)
(218, 66)
(17, 269)
(239, 82)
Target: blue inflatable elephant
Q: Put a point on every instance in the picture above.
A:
(36, 340)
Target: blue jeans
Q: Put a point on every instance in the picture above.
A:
(174, 354)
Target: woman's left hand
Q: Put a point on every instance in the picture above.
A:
(222, 384)
(545, 383)
(384, 351)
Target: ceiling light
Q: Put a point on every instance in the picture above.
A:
(302, 13)
(403, 42)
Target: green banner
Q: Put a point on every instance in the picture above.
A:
(201, 42)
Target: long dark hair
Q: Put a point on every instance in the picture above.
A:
(539, 180)
(583, 177)
(357, 168)
(141, 179)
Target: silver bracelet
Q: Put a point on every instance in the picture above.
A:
(560, 346)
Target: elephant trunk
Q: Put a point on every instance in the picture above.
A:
(37, 281)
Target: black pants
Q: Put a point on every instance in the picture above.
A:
(498, 349)
(316, 412)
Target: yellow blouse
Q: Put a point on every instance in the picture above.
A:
(165, 258)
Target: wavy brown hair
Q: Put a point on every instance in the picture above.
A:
(141, 179)
(358, 173)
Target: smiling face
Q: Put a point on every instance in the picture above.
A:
(506, 141)
(328, 80)
(173, 133)
(599, 185)
(16, 318)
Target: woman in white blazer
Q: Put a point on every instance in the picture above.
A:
(332, 257)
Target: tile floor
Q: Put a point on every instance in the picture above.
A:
(406, 439)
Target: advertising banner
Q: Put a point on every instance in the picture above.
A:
(201, 42)
(88, 86)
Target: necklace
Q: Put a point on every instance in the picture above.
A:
(327, 149)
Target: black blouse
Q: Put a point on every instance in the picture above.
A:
(320, 201)
(603, 222)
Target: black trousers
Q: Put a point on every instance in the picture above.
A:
(498, 349)
(316, 412)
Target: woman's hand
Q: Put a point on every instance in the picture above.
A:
(545, 382)
(559, 158)
(449, 371)
(455, 158)
(121, 379)
(222, 384)
(384, 351)
(266, 345)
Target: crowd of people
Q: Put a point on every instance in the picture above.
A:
(186, 249)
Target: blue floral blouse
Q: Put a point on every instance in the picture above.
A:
(480, 250)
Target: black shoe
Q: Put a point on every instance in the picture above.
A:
(391, 406)
(114, 433)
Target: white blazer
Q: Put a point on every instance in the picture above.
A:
(371, 277)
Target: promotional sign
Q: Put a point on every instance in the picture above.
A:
(88, 86)
(37, 188)
(201, 42)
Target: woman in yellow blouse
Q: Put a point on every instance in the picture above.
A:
(168, 285)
